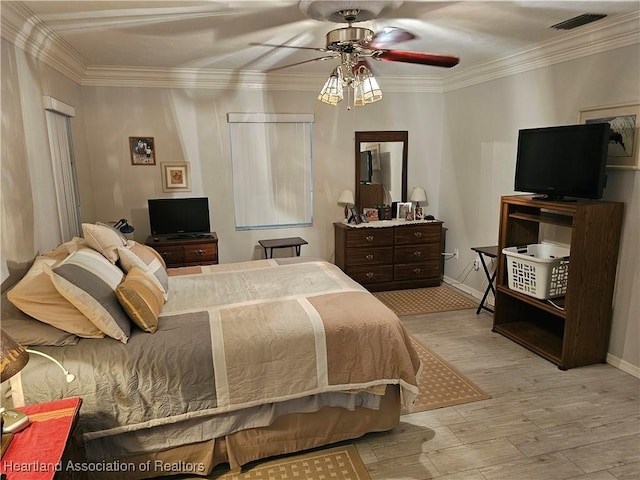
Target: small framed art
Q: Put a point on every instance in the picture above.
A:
(403, 208)
(624, 120)
(143, 150)
(176, 177)
(370, 213)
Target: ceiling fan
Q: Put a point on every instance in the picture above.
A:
(353, 44)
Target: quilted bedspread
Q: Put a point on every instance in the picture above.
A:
(232, 341)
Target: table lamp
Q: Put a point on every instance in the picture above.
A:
(13, 358)
(418, 195)
(346, 199)
(124, 226)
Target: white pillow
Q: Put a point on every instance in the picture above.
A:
(104, 239)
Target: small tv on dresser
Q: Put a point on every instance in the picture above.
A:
(179, 217)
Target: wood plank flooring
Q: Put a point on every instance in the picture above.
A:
(541, 422)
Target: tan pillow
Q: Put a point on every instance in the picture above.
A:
(36, 296)
(63, 250)
(89, 282)
(27, 330)
(147, 259)
(104, 239)
(141, 298)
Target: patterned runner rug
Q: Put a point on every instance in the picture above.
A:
(441, 384)
(338, 463)
(424, 300)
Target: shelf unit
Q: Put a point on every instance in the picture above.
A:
(576, 334)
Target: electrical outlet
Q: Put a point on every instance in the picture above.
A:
(476, 264)
(455, 254)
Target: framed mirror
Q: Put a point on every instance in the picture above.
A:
(381, 168)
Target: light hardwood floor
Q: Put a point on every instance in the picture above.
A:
(541, 422)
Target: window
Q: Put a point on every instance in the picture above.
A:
(272, 169)
(58, 116)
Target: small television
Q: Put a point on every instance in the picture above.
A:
(179, 216)
(366, 166)
(563, 161)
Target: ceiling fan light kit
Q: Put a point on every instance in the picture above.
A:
(354, 44)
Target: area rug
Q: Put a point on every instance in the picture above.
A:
(424, 300)
(337, 463)
(440, 384)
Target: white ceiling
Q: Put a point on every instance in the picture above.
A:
(215, 35)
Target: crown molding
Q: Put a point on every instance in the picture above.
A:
(600, 37)
(22, 28)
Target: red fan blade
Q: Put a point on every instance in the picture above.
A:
(328, 57)
(253, 44)
(416, 57)
(388, 36)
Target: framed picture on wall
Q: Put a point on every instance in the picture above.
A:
(143, 150)
(624, 120)
(176, 177)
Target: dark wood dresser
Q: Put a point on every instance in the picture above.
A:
(401, 254)
(185, 251)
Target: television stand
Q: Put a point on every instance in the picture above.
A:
(185, 250)
(553, 198)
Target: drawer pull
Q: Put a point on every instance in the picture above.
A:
(417, 234)
(166, 254)
(417, 253)
(370, 275)
(369, 238)
(417, 270)
(369, 256)
(200, 252)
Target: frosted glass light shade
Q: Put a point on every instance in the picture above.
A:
(332, 92)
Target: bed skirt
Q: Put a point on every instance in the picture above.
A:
(288, 434)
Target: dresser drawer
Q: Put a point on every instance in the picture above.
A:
(364, 275)
(417, 271)
(369, 237)
(170, 254)
(370, 256)
(424, 233)
(421, 252)
(205, 252)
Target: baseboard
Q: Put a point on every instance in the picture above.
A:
(611, 359)
(623, 365)
(467, 289)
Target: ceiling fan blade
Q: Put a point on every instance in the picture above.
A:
(328, 57)
(388, 36)
(417, 57)
(253, 44)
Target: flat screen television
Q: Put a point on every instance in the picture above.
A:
(179, 216)
(563, 161)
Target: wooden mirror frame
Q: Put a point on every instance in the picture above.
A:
(379, 137)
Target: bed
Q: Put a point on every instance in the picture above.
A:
(246, 361)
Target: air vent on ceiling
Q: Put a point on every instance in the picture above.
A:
(578, 21)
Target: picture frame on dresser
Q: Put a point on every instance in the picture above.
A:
(624, 119)
(402, 209)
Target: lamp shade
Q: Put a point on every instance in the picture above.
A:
(13, 357)
(346, 198)
(418, 195)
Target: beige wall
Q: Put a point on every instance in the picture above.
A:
(191, 125)
(29, 221)
(478, 165)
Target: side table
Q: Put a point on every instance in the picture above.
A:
(272, 243)
(51, 442)
(489, 252)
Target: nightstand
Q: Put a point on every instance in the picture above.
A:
(52, 442)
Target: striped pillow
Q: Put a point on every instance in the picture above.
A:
(147, 259)
(89, 282)
(141, 298)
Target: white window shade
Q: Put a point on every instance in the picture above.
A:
(272, 169)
